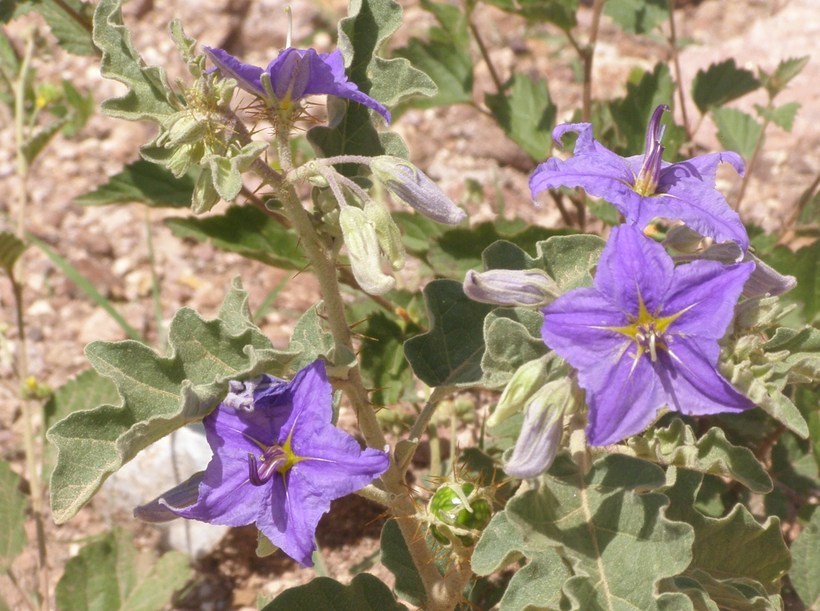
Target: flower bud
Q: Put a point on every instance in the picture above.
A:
(540, 437)
(766, 280)
(387, 232)
(415, 188)
(511, 287)
(363, 249)
(526, 380)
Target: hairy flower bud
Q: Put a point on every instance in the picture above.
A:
(363, 249)
(415, 188)
(540, 437)
(387, 232)
(525, 382)
(511, 287)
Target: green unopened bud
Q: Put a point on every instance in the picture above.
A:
(387, 232)
(415, 188)
(511, 287)
(363, 249)
(525, 382)
(184, 129)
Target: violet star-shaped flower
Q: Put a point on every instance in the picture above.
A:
(278, 462)
(293, 75)
(646, 335)
(644, 187)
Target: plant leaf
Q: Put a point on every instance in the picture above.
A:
(397, 559)
(11, 247)
(637, 16)
(512, 338)
(149, 95)
(110, 573)
(247, 231)
(444, 57)
(712, 453)
(159, 394)
(786, 70)
(72, 30)
(805, 571)
(365, 593)
(782, 116)
(145, 183)
(721, 83)
(12, 516)
(526, 113)
(449, 354)
(737, 130)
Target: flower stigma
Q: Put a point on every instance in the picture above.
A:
(646, 183)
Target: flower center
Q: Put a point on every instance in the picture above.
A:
(274, 459)
(647, 330)
(646, 183)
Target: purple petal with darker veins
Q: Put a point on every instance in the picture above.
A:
(573, 327)
(694, 386)
(623, 398)
(631, 265)
(289, 516)
(706, 292)
(312, 398)
(246, 75)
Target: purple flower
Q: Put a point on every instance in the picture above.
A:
(643, 187)
(646, 335)
(278, 462)
(293, 75)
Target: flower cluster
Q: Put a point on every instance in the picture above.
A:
(278, 462)
(646, 334)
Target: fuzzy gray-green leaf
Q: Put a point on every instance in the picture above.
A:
(12, 516)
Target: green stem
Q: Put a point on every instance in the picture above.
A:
(587, 56)
(420, 425)
(29, 437)
(440, 595)
(485, 54)
(750, 167)
(673, 44)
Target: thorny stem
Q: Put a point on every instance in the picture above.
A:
(441, 594)
(673, 44)
(22, 366)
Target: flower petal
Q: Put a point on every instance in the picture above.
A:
(312, 399)
(594, 167)
(633, 265)
(706, 292)
(693, 385)
(290, 514)
(246, 75)
(624, 398)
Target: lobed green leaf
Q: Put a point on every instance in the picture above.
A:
(110, 573)
(721, 83)
(159, 394)
(365, 593)
(737, 130)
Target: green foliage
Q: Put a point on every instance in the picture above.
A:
(512, 338)
(782, 116)
(159, 394)
(381, 357)
(737, 131)
(11, 247)
(245, 230)
(368, 24)
(801, 264)
(311, 338)
(86, 389)
(12, 516)
(721, 83)
(110, 573)
(561, 13)
(449, 354)
(712, 453)
(786, 70)
(70, 22)
(365, 593)
(444, 57)
(637, 16)
(397, 559)
(526, 113)
(145, 183)
(805, 571)
(579, 528)
(149, 96)
(717, 563)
